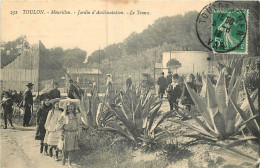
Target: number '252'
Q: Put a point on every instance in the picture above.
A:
(13, 12)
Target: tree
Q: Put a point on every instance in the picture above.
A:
(13, 49)
(74, 58)
(173, 64)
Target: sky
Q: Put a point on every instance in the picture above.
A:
(88, 31)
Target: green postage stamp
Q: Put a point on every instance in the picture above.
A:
(229, 31)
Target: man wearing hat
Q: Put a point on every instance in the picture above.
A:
(28, 103)
(54, 93)
(162, 82)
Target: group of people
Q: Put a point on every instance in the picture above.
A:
(176, 91)
(58, 127)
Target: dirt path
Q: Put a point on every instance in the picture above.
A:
(20, 150)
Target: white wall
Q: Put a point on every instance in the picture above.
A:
(188, 59)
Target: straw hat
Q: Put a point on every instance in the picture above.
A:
(65, 102)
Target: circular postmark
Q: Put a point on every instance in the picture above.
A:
(222, 28)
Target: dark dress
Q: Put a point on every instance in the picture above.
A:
(28, 102)
(40, 121)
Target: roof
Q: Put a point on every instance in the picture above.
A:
(84, 71)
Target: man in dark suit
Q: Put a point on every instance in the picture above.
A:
(54, 93)
(162, 82)
(28, 103)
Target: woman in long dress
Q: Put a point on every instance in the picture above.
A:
(50, 126)
(70, 125)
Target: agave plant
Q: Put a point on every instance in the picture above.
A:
(249, 114)
(235, 64)
(89, 107)
(143, 127)
(218, 110)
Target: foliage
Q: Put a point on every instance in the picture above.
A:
(147, 83)
(89, 108)
(138, 118)
(252, 75)
(173, 64)
(249, 114)
(142, 50)
(13, 49)
(218, 109)
(235, 66)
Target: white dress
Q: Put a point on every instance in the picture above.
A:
(52, 135)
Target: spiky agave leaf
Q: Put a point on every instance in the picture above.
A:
(211, 103)
(153, 114)
(195, 128)
(85, 108)
(201, 105)
(204, 129)
(159, 120)
(233, 153)
(221, 95)
(112, 126)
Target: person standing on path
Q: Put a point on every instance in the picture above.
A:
(174, 92)
(70, 125)
(28, 104)
(7, 104)
(50, 126)
(162, 82)
(128, 83)
(42, 114)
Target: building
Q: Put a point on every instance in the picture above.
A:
(83, 77)
(191, 62)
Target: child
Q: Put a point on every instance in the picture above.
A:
(174, 92)
(50, 126)
(7, 105)
(69, 124)
(42, 114)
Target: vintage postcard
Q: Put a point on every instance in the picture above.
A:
(130, 83)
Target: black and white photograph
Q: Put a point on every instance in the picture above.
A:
(129, 84)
